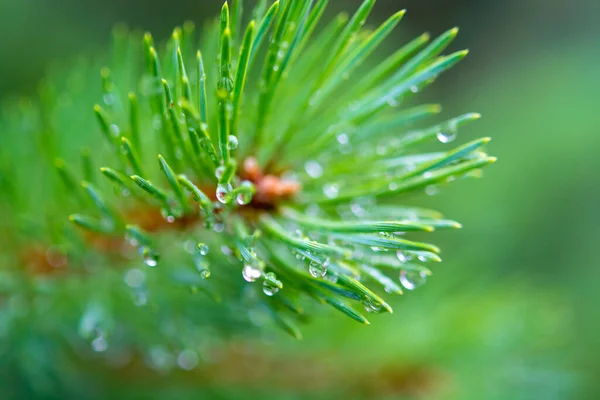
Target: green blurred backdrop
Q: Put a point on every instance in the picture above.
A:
(513, 312)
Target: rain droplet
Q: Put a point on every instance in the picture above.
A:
(431, 190)
(202, 248)
(412, 279)
(270, 288)
(344, 142)
(204, 273)
(243, 198)
(150, 257)
(343, 138)
(226, 250)
(251, 273)
(357, 210)
(403, 256)
(167, 215)
(447, 135)
(134, 278)
(160, 358)
(372, 306)
(187, 360)
(392, 102)
(99, 344)
(313, 169)
(331, 190)
(218, 227)
(132, 240)
(140, 298)
(219, 172)
(232, 142)
(414, 89)
(114, 130)
(108, 99)
(317, 269)
(223, 192)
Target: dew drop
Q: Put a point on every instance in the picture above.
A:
(412, 279)
(447, 135)
(313, 169)
(392, 102)
(134, 278)
(331, 190)
(243, 198)
(160, 358)
(223, 192)
(140, 298)
(270, 288)
(187, 360)
(99, 344)
(108, 99)
(357, 210)
(167, 215)
(204, 273)
(219, 172)
(431, 190)
(202, 248)
(251, 273)
(414, 89)
(218, 227)
(232, 142)
(317, 269)
(343, 139)
(150, 257)
(393, 186)
(372, 306)
(403, 256)
(114, 130)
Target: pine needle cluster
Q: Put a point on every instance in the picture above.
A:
(225, 182)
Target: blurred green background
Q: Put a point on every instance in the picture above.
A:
(514, 311)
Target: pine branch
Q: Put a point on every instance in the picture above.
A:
(281, 183)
